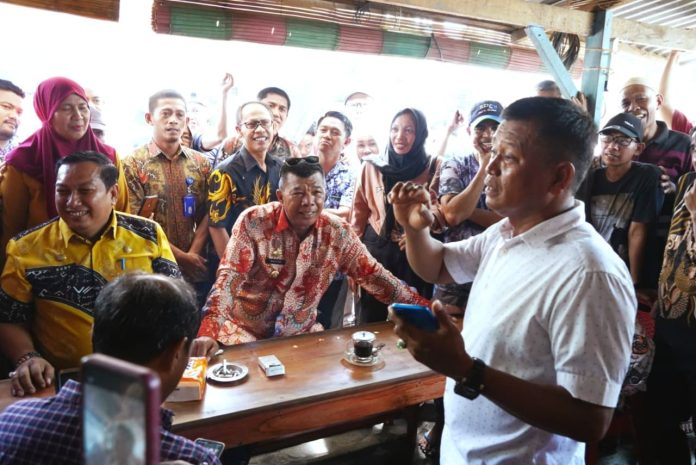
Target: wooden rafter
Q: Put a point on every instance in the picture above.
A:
(519, 13)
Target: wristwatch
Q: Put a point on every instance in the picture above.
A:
(471, 386)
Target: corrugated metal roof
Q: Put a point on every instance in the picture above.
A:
(670, 13)
(667, 13)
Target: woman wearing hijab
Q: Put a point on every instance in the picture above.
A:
(373, 217)
(28, 186)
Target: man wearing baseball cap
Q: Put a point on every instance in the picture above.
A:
(461, 187)
(623, 198)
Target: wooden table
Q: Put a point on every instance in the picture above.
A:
(320, 393)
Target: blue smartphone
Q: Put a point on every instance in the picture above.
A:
(416, 315)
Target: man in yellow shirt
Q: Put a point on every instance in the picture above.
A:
(55, 271)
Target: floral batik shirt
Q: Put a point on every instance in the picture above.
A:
(270, 281)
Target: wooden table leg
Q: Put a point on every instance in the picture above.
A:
(412, 420)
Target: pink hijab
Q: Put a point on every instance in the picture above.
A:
(37, 156)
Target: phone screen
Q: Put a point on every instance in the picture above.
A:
(65, 375)
(116, 426)
(216, 447)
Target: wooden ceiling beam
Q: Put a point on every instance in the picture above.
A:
(519, 14)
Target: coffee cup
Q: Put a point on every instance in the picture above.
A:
(363, 345)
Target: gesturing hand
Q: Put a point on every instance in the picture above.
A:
(411, 205)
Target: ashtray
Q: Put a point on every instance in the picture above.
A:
(227, 372)
(351, 358)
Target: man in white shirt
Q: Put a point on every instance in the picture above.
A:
(547, 333)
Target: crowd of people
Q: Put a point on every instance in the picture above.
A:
(574, 272)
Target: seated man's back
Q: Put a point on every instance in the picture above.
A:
(142, 318)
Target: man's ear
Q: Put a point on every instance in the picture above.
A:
(640, 146)
(279, 195)
(168, 360)
(564, 177)
(346, 143)
(239, 130)
(148, 118)
(659, 98)
(113, 192)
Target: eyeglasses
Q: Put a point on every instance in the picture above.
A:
(619, 140)
(264, 123)
(310, 160)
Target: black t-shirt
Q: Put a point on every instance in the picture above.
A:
(611, 207)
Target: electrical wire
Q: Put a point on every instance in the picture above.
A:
(567, 46)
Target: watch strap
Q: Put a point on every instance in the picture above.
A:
(471, 385)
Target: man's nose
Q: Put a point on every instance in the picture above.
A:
(493, 167)
(73, 199)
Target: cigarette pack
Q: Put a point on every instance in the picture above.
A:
(271, 365)
(192, 383)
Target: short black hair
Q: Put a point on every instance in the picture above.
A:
(273, 90)
(301, 170)
(8, 85)
(164, 93)
(241, 107)
(341, 117)
(108, 172)
(561, 127)
(139, 315)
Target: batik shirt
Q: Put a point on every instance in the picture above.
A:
(455, 176)
(340, 184)
(676, 320)
(149, 172)
(239, 183)
(270, 281)
(42, 431)
(677, 283)
(11, 144)
(52, 277)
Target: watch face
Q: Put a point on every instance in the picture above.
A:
(466, 391)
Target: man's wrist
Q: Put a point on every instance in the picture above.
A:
(463, 369)
(473, 383)
(26, 357)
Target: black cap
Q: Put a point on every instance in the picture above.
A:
(627, 124)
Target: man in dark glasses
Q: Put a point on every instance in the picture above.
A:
(281, 258)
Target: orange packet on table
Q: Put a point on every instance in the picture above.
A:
(192, 383)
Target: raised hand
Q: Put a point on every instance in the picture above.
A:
(411, 205)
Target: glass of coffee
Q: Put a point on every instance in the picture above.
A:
(363, 343)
